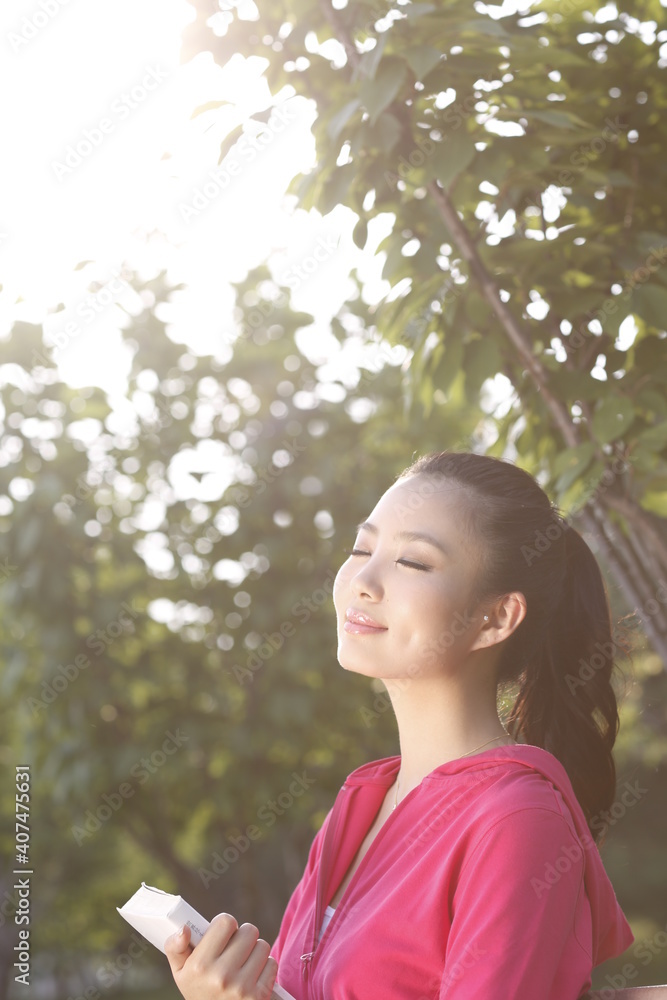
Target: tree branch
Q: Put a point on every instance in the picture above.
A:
(341, 33)
(514, 333)
(597, 529)
(641, 520)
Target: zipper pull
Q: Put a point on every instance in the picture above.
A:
(308, 957)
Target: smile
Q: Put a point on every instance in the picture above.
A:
(358, 623)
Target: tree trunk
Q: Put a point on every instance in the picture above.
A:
(625, 547)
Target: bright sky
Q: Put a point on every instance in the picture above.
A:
(105, 163)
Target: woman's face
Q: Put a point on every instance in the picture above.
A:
(410, 597)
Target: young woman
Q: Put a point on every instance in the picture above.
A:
(468, 866)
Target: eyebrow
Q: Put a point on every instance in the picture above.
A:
(412, 536)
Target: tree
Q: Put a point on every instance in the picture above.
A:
(169, 648)
(521, 159)
(183, 646)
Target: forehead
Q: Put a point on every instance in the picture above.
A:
(424, 503)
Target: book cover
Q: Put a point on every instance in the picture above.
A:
(157, 915)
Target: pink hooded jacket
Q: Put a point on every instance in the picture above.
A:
(483, 884)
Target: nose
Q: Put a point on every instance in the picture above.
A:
(365, 581)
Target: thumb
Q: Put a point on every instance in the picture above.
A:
(177, 948)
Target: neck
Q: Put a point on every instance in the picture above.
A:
(440, 722)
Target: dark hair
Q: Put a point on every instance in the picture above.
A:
(562, 652)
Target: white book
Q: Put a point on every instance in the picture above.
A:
(157, 915)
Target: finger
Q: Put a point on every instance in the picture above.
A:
(250, 973)
(233, 957)
(267, 979)
(177, 948)
(215, 939)
(248, 951)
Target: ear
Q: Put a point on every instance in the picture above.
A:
(504, 617)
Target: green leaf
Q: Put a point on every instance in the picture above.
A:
(578, 279)
(377, 94)
(652, 399)
(209, 106)
(336, 187)
(612, 417)
(229, 141)
(654, 438)
(560, 119)
(422, 59)
(483, 26)
(571, 463)
(650, 302)
(483, 360)
(386, 132)
(360, 233)
(370, 61)
(416, 10)
(454, 154)
(656, 503)
(449, 363)
(617, 178)
(582, 490)
(648, 355)
(341, 118)
(651, 242)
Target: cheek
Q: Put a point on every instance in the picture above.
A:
(341, 583)
(430, 618)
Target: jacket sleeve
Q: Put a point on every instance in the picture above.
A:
(520, 920)
(295, 898)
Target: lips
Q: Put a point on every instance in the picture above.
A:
(359, 618)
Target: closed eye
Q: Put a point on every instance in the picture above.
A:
(404, 562)
(415, 565)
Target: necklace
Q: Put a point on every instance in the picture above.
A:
(462, 755)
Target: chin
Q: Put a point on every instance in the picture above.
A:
(357, 664)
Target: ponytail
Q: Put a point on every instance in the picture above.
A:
(566, 703)
(562, 654)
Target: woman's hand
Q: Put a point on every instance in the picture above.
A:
(229, 963)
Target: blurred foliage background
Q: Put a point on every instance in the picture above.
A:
(520, 157)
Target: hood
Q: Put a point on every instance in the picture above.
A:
(611, 931)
